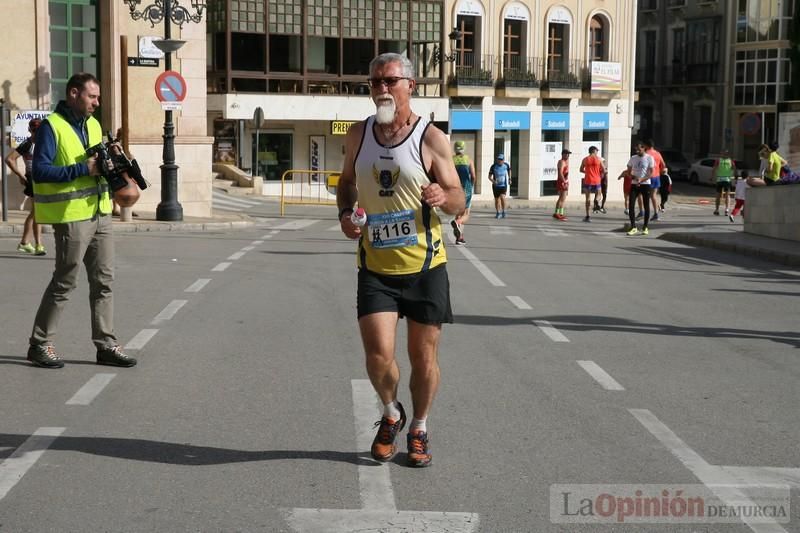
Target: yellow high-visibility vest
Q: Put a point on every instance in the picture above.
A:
(82, 198)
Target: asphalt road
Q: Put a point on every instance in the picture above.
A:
(581, 361)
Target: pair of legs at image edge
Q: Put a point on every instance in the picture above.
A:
(378, 332)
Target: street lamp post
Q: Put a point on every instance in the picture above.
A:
(170, 11)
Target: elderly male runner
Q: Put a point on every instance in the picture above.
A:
(399, 168)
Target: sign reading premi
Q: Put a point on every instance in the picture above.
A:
(341, 127)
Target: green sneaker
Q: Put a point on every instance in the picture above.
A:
(26, 248)
(645, 232)
(40, 250)
(633, 231)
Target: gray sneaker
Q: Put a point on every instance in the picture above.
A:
(45, 356)
(114, 357)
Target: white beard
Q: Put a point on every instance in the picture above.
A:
(385, 111)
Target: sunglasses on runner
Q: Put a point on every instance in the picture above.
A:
(375, 83)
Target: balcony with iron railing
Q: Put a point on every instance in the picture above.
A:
(520, 77)
(472, 75)
(563, 77)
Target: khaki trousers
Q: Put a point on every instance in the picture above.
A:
(90, 242)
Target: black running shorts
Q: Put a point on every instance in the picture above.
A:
(423, 297)
(723, 186)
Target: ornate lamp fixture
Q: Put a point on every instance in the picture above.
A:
(156, 11)
(439, 57)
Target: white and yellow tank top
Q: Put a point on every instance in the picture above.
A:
(403, 235)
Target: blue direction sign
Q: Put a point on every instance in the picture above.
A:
(170, 87)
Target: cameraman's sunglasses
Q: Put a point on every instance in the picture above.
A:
(376, 83)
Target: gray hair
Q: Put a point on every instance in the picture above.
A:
(391, 57)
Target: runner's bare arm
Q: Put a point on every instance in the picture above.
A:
(346, 191)
(472, 172)
(446, 192)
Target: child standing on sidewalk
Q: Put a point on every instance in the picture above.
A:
(739, 194)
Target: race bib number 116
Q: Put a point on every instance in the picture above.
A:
(392, 230)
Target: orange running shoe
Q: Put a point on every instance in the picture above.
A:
(383, 446)
(419, 453)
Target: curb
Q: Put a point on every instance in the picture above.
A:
(698, 239)
(16, 228)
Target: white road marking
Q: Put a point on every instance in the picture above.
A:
(257, 242)
(274, 232)
(337, 227)
(197, 286)
(483, 269)
(24, 457)
(267, 236)
(552, 232)
(91, 389)
(519, 302)
(220, 267)
(765, 475)
(601, 376)
(168, 312)
(296, 224)
(500, 230)
(550, 331)
(608, 234)
(248, 248)
(235, 256)
(377, 497)
(788, 272)
(140, 339)
(716, 478)
(373, 479)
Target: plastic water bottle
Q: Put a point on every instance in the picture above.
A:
(359, 217)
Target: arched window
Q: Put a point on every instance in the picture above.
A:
(598, 39)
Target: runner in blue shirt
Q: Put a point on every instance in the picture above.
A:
(500, 176)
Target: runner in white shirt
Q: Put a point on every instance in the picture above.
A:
(640, 168)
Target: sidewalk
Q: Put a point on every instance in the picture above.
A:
(146, 222)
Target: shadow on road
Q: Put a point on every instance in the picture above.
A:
(182, 454)
(586, 323)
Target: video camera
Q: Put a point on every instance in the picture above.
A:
(115, 166)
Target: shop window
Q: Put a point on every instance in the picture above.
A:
(357, 54)
(398, 47)
(248, 51)
(249, 85)
(285, 53)
(323, 55)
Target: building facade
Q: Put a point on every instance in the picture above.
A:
(52, 39)
(525, 79)
(710, 74)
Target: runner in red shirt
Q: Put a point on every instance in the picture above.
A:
(593, 170)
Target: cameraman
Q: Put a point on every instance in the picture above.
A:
(71, 195)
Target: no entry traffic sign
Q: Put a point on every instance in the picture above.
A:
(170, 87)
